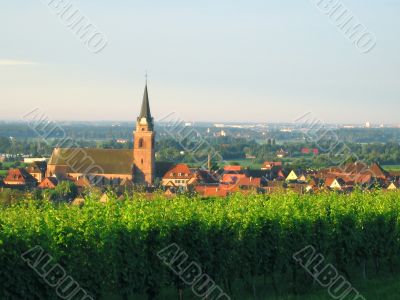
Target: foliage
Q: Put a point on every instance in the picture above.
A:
(113, 247)
(64, 191)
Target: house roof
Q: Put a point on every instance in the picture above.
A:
(93, 161)
(179, 171)
(248, 181)
(330, 180)
(232, 168)
(37, 167)
(377, 171)
(231, 178)
(49, 182)
(393, 185)
(19, 176)
(211, 191)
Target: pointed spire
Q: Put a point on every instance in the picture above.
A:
(145, 111)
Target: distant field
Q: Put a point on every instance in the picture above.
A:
(250, 163)
(392, 167)
(3, 172)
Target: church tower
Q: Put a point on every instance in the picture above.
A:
(144, 144)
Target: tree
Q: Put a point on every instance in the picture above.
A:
(65, 191)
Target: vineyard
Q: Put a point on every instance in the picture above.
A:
(114, 248)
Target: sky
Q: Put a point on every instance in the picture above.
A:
(238, 61)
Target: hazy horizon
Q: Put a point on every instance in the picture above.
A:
(257, 61)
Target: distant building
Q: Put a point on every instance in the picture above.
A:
(38, 170)
(111, 166)
(307, 151)
(335, 183)
(49, 183)
(232, 174)
(292, 176)
(282, 153)
(393, 186)
(179, 176)
(31, 160)
(122, 141)
(269, 165)
(20, 178)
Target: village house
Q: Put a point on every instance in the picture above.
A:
(20, 178)
(393, 186)
(269, 165)
(232, 174)
(49, 183)
(38, 170)
(179, 176)
(282, 153)
(292, 176)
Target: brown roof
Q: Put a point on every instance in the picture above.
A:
(180, 171)
(378, 172)
(94, 161)
(330, 180)
(232, 168)
(19, 176)
(48, 183)
(249, 181)
(212, 191)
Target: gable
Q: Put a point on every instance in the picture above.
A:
(292, 176)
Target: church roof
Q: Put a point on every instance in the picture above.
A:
(145, 111)
(93, 161)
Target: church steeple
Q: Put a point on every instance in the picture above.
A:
(144, 145)
(145, 113)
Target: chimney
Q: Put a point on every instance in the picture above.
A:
(209, 162)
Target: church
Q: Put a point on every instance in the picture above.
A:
(111, 166)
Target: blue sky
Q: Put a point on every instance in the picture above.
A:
(263, 61)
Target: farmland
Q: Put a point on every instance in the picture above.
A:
(244, 243)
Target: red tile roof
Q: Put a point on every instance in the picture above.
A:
(180, 171)
(232, 168)
(212, 191)
(231, 178)
(48, 183)
(19, 177)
